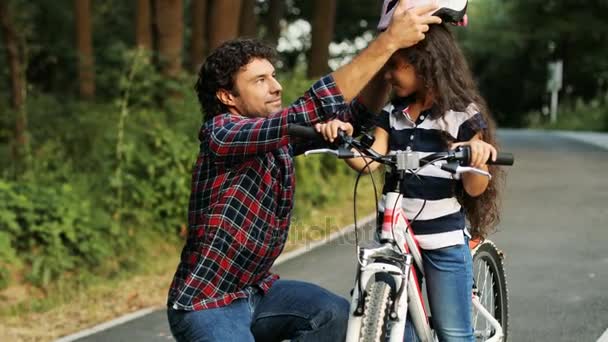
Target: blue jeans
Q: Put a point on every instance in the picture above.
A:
(290, 310)
(449, 282)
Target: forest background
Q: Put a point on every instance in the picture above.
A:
(99, 120)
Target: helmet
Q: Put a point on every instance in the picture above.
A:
(450, 11)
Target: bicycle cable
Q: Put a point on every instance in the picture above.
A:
(359, 173)
(429, 164)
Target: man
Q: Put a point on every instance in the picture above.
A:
(242, 193)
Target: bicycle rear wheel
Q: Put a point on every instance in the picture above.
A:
(491, 283)
(374, 324)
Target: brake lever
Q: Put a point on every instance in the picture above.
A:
(455, 168)
(341, 152)
(321, 151)
(463, 169)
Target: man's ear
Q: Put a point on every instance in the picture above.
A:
(225, 97)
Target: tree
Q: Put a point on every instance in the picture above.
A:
(223, 24)
(15, 57)
(248, 22)
(199, 32)
(276, 11)
(84, 47)
(509, 45)
(322, 33)
(143, 23)
(170, 26)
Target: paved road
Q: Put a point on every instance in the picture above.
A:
(554, 233)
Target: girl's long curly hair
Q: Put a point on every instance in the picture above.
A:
(441, 66)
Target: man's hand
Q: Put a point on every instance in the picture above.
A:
(330, 129)
(407, 26)
(406, 29)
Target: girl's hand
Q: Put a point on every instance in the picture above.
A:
(330, 129)
(481, 151)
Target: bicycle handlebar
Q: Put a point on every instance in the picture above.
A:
(304, 132)
(502, 158)
(461, 154)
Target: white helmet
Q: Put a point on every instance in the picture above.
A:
(450, 11)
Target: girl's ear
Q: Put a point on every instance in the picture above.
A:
(225, 97)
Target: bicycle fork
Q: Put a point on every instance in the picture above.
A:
(381, 263)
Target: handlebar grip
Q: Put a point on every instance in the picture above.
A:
(503, 158)
(306, 132)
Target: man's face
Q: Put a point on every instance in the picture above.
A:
(256, 93)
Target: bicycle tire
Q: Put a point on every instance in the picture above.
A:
(493, 287)
(374, 323)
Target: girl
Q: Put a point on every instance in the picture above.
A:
(435, 107)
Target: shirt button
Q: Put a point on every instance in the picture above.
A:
(422, 117)
(412, 136)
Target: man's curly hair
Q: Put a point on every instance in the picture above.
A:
(220, 68)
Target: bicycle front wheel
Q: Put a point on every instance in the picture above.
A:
(492, 289)
(374, 324)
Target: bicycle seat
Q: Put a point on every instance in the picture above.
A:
(450, 11)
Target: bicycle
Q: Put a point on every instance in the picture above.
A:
(386, 284)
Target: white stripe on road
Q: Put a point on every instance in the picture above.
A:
(284, 257)
(604, 337)
(108, 325)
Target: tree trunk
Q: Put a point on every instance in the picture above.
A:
(143, 30)
(248, 25)
(199, 33)
(169, 16)
(223, 24)
(276, 12)
(15, 59)
(84, 46)
(322, 34)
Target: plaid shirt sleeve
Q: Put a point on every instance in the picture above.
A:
(357, 114)
(235, 137)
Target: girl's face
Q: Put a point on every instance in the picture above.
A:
(402, 76)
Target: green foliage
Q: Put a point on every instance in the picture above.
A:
(510, 44)
(155, 177)
(54, 230)
(62, 217)
(583, 116)
(7, 254)
(316, 181)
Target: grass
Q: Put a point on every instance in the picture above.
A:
(592, 116)
(30, 314)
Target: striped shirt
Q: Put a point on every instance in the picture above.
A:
(430, 196)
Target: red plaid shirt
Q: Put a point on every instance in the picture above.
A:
(242, 195)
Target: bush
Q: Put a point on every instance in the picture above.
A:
(578, 116)
(104, 176)
(155, 177)
(54, 230)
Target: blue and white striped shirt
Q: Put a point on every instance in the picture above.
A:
(430, 196)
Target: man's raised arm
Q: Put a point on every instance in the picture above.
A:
(406, 29)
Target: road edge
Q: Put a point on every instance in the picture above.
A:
(281, 259)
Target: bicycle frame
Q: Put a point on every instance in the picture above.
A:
(391, 257)
(402, 246)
